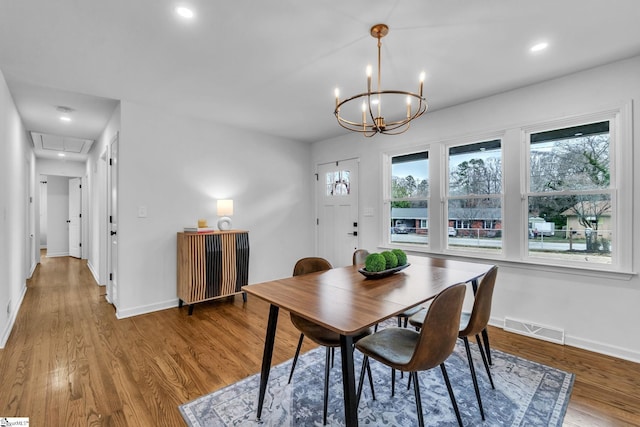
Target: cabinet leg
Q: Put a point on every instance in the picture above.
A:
(180, 302)
(190, 309)
(244, 297)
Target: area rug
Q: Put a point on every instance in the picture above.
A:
(526, 394)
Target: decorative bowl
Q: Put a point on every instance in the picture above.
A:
(383, 273)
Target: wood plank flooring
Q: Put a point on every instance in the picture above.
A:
(70, 362)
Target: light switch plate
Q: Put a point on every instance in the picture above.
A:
(142, 211)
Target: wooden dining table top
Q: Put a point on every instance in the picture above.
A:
(345, 301)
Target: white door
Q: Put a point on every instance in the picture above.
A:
(337, 210)
(112, 262)
(75, 208)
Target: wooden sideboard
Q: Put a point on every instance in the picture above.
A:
(212, 265)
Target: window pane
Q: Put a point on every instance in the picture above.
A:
(575, 158)
(338, 183)
(475, 169)
(409, 222)
(575, 227)
(475, 223)
(409, 176)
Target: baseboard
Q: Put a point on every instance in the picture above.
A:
(586, 344)
(93, 273)
(609, 350)
(56, 254)
(136, 311)
(12, 320)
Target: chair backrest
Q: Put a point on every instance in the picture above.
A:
(311, 265)
(481, 311)
(359, 256)
(440, 329)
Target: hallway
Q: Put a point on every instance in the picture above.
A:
(70, 362)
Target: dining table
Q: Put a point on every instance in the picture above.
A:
(345, 301)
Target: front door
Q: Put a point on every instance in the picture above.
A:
(337, 211)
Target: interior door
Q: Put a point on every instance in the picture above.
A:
(337, 211)
(75, 208)
(112, 262)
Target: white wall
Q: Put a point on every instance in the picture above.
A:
(17, 169)
(598, 313)
(177, 168)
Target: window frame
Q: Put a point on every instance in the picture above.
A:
(620, 187)
(446, 196)
(387, 162)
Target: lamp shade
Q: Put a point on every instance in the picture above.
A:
(225, 210)
(225, 207)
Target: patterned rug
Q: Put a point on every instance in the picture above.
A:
(526, 394)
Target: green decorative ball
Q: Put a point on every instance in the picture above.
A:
(375, 262)
(390, 258)
(402, 257)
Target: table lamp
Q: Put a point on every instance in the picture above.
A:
(225, 210)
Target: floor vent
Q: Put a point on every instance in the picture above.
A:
(546, 333)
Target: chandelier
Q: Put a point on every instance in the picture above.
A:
(407, 106)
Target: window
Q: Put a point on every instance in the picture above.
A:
(474, 197)
(407, 197)
(338, 183)
(569, 197)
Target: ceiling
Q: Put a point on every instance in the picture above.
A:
(272, 66)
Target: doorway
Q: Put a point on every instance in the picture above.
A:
(337, 211)
(61, 215)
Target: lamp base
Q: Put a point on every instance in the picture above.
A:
(224, 223)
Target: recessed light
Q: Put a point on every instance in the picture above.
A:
(185, 12)
(61, 154)
(65, 118)
(538, 47)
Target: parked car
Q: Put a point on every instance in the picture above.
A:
(401, 228)
(453, 232)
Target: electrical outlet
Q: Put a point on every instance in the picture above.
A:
(142, 211)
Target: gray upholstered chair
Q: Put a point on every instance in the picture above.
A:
(411, 351)
(472, 324)
(359, 256)
(317, 333)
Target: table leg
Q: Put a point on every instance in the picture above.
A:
(349, 381)
(266, 356)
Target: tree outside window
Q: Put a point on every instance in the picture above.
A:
(570, 187)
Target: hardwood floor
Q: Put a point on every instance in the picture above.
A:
(70, 362)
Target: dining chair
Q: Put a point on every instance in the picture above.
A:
(319, 334)
(360, 256)
(472, 324)
(412, 351)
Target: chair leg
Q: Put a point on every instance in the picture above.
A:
(473, 375)
(416, 392)
(327, 367)
(484, 360)
(450, 390)
(365, 365)
(373, 393)
(295, 358)
(393, 382)
(485, 338)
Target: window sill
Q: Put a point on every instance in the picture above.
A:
(498, 259)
